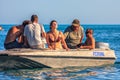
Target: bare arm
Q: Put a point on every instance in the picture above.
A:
(63, 42)
(48, 42)
(44, 34)
(92, 46)
(43, 31)
(93, 43)
(81, 38)
(20, 39)
(82, 34)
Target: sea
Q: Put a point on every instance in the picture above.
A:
(102, 33)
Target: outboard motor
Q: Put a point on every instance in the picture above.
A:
(101, 45)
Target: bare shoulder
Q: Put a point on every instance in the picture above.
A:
(14, 28)
(93, 39)
(60, 32)
(48, 33)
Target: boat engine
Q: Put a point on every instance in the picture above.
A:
(102, 45)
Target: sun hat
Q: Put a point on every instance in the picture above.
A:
(76, 22)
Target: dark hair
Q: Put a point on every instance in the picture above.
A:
(26, 22)
(33, 17)
(76, 21)
(89, 31)
(52, 23)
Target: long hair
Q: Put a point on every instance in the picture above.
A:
(52, 23)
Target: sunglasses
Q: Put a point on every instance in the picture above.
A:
(87, 32)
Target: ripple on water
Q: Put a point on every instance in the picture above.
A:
(65, 74)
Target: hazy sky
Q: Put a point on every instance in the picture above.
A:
(64, 11)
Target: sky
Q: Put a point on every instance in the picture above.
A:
(63, 11)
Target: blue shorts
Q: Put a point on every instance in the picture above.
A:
(13, 44)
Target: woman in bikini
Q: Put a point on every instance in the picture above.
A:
(55, 39)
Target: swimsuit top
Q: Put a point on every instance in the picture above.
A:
(56, 40)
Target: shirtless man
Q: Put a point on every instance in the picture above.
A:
(90, 41)
(16, 32)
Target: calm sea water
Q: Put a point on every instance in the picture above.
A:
(102, 33)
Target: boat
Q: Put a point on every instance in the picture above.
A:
(44, 58)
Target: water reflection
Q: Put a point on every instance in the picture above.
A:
(66, 73)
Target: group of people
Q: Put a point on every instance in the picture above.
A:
(32, 35)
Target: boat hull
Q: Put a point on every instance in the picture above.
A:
(27, 58)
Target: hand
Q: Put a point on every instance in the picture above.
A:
(49, 47)
(44, 34)
(81, 47)
(67, 49)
